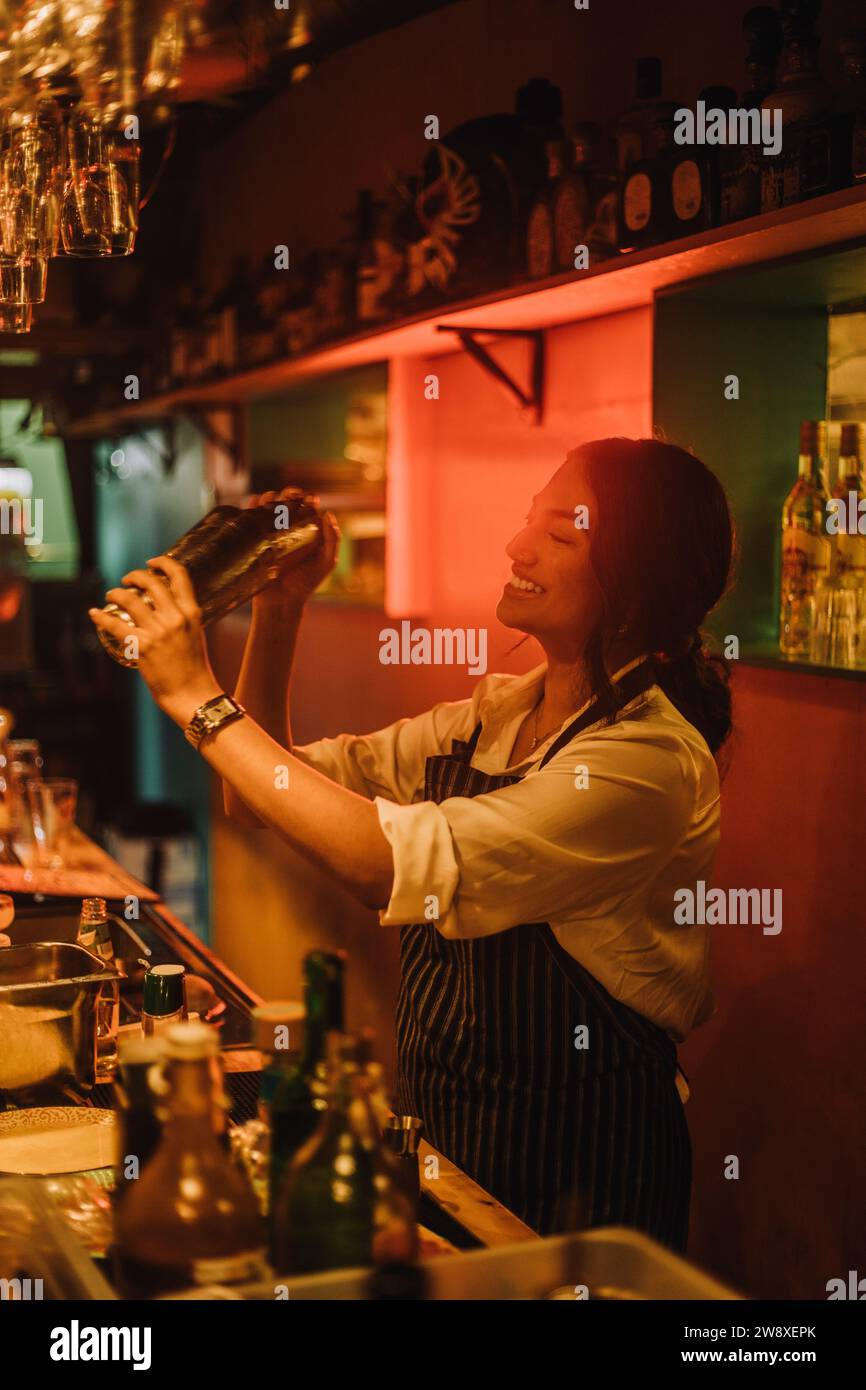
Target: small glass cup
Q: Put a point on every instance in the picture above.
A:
(834, 635)
(23, 280)
(16, 318)
(53, 803)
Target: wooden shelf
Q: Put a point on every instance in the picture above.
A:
(771, 658)
(623, 282)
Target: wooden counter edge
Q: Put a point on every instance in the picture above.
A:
(462, 1198)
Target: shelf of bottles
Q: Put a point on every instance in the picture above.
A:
(822, 601)
(544, 224)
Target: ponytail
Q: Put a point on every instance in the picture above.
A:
(697, 683)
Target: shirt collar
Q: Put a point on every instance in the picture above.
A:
(503, 706)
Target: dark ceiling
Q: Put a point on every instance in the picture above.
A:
(249, 43)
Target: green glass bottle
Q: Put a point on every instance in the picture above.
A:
(293, 1084)
(340, 1206)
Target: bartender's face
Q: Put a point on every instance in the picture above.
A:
(552, 593)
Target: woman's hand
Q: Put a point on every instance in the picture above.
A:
(172, 656)
(296, 580)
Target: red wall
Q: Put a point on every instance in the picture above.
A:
(777, 1074)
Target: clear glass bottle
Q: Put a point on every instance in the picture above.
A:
(191, 1218)
(848, 560)
(94, 930)
(805, 543)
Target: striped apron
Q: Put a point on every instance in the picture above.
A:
(568, 1129)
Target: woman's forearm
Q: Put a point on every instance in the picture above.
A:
(329, 825)
(263, 683)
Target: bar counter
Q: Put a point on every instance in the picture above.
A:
(456, 1214)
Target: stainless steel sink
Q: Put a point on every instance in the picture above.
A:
(58, 1016)
(50, 924)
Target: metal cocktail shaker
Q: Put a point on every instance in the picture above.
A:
(230, 555)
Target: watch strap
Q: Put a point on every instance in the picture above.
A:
(213, 715)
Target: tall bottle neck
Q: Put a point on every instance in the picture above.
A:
(811, 466)
(323, 997)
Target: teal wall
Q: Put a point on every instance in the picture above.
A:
(140, 511)
(779, 357)
(45, 459)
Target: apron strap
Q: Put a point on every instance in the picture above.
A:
(633, 683)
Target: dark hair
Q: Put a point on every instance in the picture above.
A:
(662, 553)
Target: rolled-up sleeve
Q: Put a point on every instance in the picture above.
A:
(572, 839)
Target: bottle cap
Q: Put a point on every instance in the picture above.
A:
(851, 438)
(93, 910)
(813, 437)
(278, 1014)
(163, 990)
(190, 1042)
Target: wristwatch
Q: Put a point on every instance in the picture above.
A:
(212, 715)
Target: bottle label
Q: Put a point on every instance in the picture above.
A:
(849, 554)
(570, 218)
(539, 242)
(637, 202)
(154, 1024)
(686, 190)
(805, 557)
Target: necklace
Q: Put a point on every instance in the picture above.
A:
(537, 737)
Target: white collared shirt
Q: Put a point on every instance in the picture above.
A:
(596, 843)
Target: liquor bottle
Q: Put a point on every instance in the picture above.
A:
(805, 543)
(367, 309)
(94, 931)
(137, 1105)
(191, 1218)
(540, 252)
(163, 1002)
(230, 555)
(848, 546)
(583, 201)
(740, 165)
(636, 129)
(340, 1206)
(645, 214)
(644, 140)
(298, 1095)
(808, 162)
(478, 186)
(695, 173)
(851, 105)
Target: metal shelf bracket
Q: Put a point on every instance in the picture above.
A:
(533, 399)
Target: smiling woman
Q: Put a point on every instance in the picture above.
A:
(542, 996)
